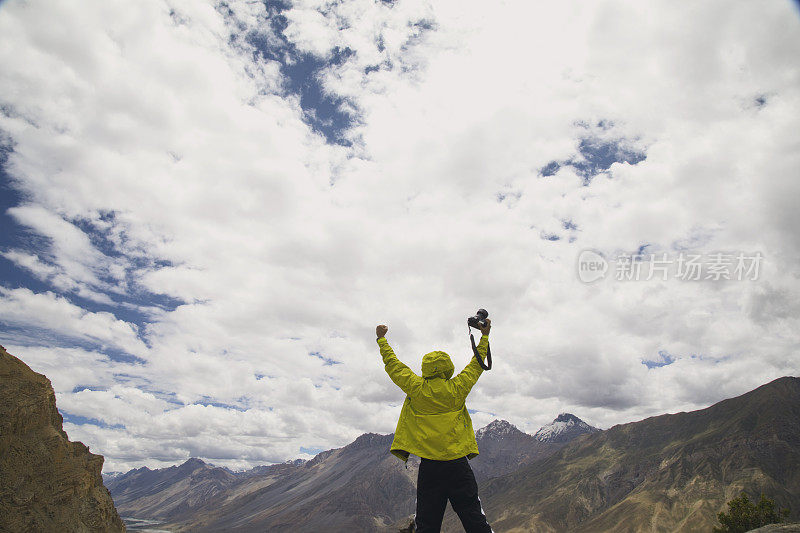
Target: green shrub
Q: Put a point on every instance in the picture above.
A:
(743, 515)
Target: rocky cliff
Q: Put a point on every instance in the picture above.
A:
(47, 483)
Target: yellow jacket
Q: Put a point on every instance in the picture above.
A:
(434, 422)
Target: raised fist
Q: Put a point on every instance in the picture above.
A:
(381, 330)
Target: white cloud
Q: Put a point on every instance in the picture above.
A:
(161, 132)
(80, 267)
(71, 368)
(51, 313)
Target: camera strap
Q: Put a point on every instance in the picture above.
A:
(478, 356)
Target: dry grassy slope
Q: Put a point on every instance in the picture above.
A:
(666, 473)
(47, 483)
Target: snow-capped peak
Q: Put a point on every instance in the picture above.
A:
(566, 426)
(497, 428)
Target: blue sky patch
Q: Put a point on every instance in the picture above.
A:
(665, 359)
(35, 336)
(130, 307)
(207, 402)
(80, 388)
(328, 361)
(322, 111)
(312, 450)
(81, 420)
(596, 153)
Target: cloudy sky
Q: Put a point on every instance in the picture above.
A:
(206, 208)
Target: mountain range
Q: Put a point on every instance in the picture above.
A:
(359, 486)
(504, 448)
(672, 472)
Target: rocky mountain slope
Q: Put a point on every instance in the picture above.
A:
(360, 487)
(563, 429)
(666, 473)
(504, 448)
(47, 483)
(168, 493)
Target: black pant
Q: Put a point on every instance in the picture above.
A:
(439, 481)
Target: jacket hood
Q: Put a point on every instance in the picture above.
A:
(437, 364)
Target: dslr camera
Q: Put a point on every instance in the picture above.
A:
(479, 320)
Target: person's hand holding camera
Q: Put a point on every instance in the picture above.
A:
(381, 330)
(485, 330)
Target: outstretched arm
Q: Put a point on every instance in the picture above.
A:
(465, 380)
(402, 376)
